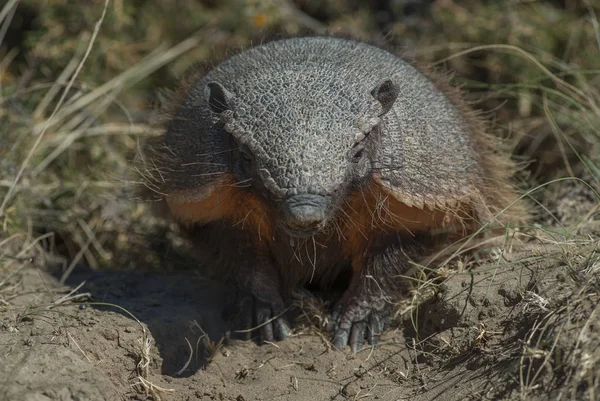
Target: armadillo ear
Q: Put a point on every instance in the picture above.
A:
(217, 97)
(386, 93)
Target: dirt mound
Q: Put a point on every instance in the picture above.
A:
(522, 325)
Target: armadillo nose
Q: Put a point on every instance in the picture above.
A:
(303, 214)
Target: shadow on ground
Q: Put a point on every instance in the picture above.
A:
(168, 303)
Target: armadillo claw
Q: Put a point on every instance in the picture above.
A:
(376, 325)
(282, 330)
(255, 314)
(340, 339)
(272, 327)
(357, 338)
(262, 313)
(355, 332)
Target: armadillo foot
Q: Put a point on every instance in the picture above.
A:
(357, 321)
(266, 317)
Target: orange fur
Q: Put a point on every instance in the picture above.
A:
(372, 213)
(226, 203)
(367, 215)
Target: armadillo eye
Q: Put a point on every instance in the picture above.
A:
(358, 151)
(246, 155)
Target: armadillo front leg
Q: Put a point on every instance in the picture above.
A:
(260, 304)
(367, 305)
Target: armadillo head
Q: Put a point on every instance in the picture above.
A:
(304, 143)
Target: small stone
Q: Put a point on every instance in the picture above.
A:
(351, 389)
(110, 334)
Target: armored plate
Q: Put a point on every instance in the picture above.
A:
(300, 100)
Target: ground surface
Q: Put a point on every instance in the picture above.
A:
(485, 334)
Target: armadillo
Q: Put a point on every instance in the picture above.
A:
(320, 160)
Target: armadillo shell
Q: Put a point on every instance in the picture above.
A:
(425, 154)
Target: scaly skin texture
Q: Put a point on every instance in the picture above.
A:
(300, 160)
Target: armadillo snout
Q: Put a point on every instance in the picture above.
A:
(303, 215)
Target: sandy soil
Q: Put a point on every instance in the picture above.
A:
(466, 343)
